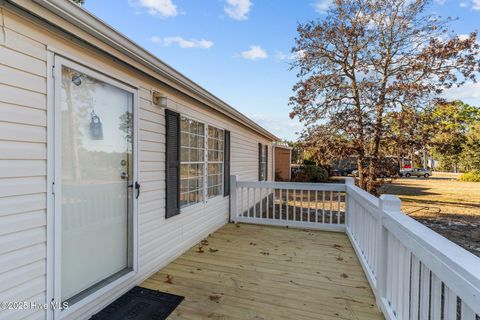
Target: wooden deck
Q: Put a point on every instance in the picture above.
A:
(259, 272)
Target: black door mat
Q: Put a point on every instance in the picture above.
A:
(140, 304)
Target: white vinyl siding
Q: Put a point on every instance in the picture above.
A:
(23, 167)
(23, 170)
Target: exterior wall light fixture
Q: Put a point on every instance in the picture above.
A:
(159, 99)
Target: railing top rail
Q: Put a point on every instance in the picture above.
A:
(293, 185)
(371, 199)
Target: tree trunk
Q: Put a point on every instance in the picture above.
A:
(361, 133)
(361, 178)
(376, 148)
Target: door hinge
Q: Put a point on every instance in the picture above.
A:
(53, 188)
(53, 71)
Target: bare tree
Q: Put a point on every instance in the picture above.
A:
(331, 60)
(369, 57)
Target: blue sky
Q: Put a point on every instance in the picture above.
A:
(240, 49)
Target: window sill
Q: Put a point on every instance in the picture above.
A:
(202, 205)
(215, 199)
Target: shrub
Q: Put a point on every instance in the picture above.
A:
(311, 173)
(472, 176)
(307, 162)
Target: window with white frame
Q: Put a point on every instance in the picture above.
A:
(201, 164)
(192, 162)
(215, 161)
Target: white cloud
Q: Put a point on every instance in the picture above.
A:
(476, 5)
(468, 93)
(322, 6)
(282, 56)
(183, 43)
(440, 2)
(255, 53)
(463, 4)
(161, 8)
(238, 9)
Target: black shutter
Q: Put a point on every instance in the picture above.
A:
(226, 163)
(266, 162)
(259, 161)
(172, 163)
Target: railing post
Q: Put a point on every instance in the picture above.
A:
(349, 181)
(233, 198)
(387, 203)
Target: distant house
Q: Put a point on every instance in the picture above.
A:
(283, 160)
(112, 163)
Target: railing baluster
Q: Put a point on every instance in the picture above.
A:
(316, 206)
(274, 191)
(450, 304)
(287, 204)
(301, 205)
(294, 205)
(261, 202)
(390, 275)
(415, 285)
(424, 292)
(338, 212)
(280, 203)
(268, 203)
(397, 281)
(331, 212)
(248, 202)
(323, 207)
(308, 200)
(436, 296)
(254, 202)
(241, 201)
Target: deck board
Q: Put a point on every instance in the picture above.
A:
(261, 272)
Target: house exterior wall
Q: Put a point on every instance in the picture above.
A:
(25, 52)
(282, 163)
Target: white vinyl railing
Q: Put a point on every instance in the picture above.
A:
(310, 205)
(415, 273)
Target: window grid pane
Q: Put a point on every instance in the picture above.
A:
(263, 164)
(215, 162)
(192, 162)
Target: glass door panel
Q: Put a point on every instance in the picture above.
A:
(96, 178)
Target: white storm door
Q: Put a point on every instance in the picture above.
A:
(94, 178)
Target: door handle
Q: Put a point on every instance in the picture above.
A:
(137, 188)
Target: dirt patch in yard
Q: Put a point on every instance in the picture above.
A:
(444, 204)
